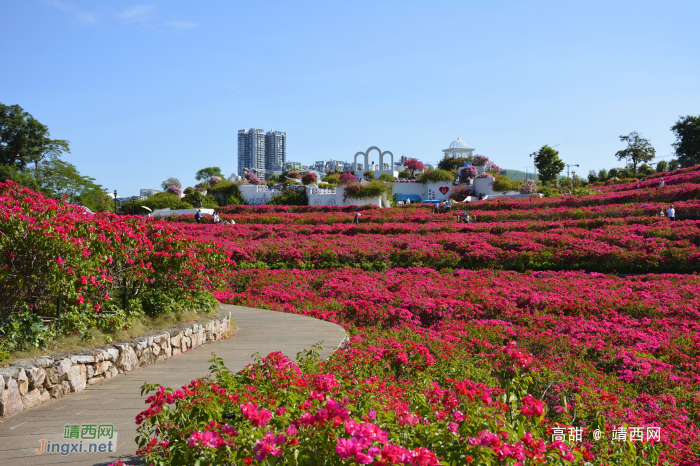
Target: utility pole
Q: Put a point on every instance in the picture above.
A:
(567, 174)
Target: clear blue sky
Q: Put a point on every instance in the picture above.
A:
(148, 90)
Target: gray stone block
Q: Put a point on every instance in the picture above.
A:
(31, 399)
(22, 382)
(10, 400)
(77, 378)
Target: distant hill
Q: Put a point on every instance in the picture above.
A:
(515, 174)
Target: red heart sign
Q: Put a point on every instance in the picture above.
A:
(444, 189)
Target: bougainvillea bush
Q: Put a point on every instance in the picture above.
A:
(480, 367)
(51, 250)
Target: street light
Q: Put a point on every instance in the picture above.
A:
(133, 205)
(567, 173)
(115, 202)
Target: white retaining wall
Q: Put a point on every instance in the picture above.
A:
(257, 194)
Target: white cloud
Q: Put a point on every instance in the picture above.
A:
(137, 14)
(181, 25)
(85, 17)
(80, 15)
(59, 4)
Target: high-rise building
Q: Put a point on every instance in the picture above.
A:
(251, 150)
(275, 151)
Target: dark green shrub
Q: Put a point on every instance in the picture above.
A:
(436, 176)
(290, 197)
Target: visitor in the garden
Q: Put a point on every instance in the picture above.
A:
(671, 213)
(661, 183)
(215, 218)
(660, 213)
(435, 208)
(356, 220)
(198, 216)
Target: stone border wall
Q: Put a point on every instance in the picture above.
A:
(30, 382)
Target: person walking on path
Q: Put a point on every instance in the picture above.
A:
(660, 213)
(356, 220)
(661, 183)
(671, 213)
(198, 216)
(215, 218)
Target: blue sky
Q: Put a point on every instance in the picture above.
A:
(147, 90)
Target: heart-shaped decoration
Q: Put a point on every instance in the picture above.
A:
(444, 189)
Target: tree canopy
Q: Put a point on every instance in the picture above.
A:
(171, 181)
(639, 150)
(208, 172)
(687, 145)
(548, 163)
(23, 139)
(413, 165)
(449, 163)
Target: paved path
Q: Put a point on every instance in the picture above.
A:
(117, 401)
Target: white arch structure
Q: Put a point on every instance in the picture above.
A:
(381, 160)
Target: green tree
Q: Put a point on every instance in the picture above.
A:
(548, 163)
(451, 163)
(638, 150)
(646, 170)
(208, 172)
(23, 140)
(687, 145)
(603, 175)
(171, 182)
(369, 175)
(592, 177)
(662, 166)
(674, 164)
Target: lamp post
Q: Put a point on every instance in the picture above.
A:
(133, 205)
(115, 203)
(567, 173)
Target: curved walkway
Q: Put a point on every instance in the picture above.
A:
(117, 401)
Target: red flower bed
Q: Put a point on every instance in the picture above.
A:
(429, 365)
(632, 245)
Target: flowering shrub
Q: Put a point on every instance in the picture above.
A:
(251, 178)
(529, 187)
(347, 178)
(480, 160)
(460, 193)
(49, 248)
(308, 178)
(214, 179)
(468, 173)
(174, 190)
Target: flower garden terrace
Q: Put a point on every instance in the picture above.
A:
(444, 364)
(628, 245)
(432, 372)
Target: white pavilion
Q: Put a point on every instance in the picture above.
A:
(457, 149)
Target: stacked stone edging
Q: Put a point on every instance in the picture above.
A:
(31, 382)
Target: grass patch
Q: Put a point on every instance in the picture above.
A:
(74, 341)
